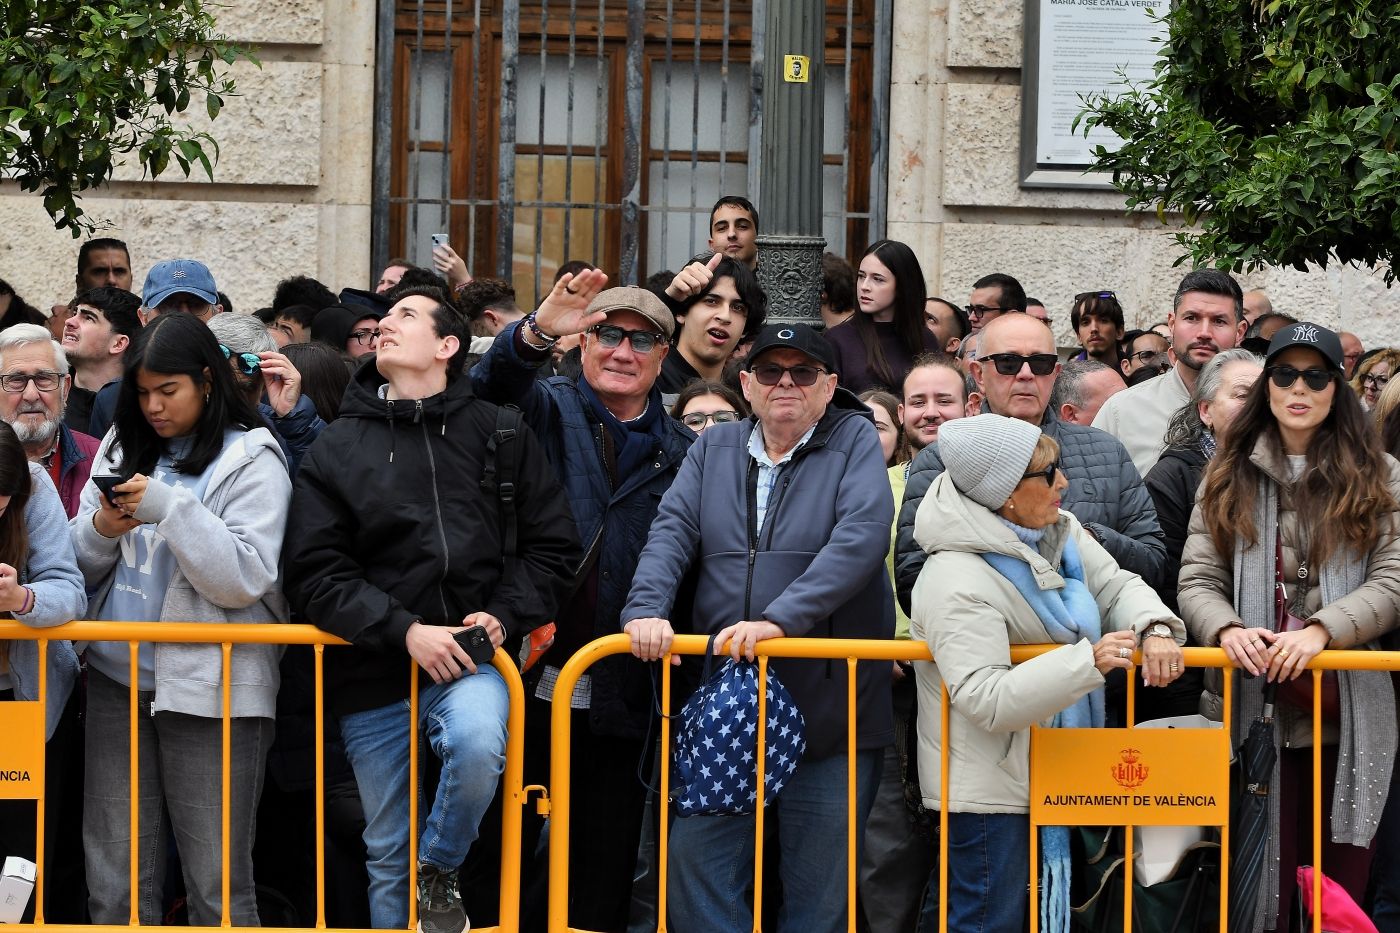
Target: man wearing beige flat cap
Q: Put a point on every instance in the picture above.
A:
(616, 452)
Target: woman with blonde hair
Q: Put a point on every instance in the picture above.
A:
(1373, 374)
(1301, 495)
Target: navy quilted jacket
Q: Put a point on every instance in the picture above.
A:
(612, 523)
(1105, 493)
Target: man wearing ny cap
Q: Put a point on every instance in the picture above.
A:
(616, 452)
(785, 519)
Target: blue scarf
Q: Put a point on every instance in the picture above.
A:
(1068, 614)
(635, 440)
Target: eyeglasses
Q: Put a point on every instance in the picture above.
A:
(16, 383)
(246, 363)
(977, 311)
(1104, 295)
(1009, 364)
(1375, 381)
(770, 374)
(364, 336)
(1145, 356)
(1285, 376)
(696, 419)
(1049, 473)
(643, 341)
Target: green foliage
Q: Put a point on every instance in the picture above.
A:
(84, 83)
(1272, 128)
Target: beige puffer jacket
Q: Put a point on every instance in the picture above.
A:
(1207, 586)
(970, 616)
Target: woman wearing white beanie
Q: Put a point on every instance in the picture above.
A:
(1007, 567)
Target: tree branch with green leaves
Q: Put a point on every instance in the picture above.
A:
(86, 84)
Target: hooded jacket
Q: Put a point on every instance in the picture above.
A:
(227, 550)
(970, 615)
(612, 522)
(816, 568)
(1105, 493)
(389, 526)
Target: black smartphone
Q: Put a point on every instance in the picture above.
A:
(477, 644)
(105, 482)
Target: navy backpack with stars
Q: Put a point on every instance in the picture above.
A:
(714, 755)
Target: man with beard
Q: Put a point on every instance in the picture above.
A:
(716, 304)
(35, 383)
(1207, 317)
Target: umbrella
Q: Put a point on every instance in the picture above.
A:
(1249, 836)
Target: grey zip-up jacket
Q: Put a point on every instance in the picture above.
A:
(52, 574)
(227, 549)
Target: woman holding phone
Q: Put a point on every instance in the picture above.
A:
(192, 533)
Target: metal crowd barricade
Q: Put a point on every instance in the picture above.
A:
(227, 635)
(851, 651)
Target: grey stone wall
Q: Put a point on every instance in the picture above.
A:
(291, 190)
(954, 196)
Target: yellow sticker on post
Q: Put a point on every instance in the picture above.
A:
(1130, 777)
(22, 751)
(797, 69)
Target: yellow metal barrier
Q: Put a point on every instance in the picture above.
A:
(852, 650)
(228, 635)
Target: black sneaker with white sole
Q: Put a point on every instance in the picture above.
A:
(439, 904)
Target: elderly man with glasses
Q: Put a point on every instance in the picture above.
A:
(785, 521)
(615, 451)
(34, 386)
(1016, 370)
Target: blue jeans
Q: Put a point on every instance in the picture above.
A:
(711, 857)
(988, 875)
(464, 722)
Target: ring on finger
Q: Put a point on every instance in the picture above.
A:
(1283, 652)
(571, 291)
(1125, 652)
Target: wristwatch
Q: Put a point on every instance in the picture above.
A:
(1159, 630)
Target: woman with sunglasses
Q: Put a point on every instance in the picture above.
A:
(1300, 502)
(1008, 566)
(702, 404)
(270, 383)
(193, 533)
(875, 349)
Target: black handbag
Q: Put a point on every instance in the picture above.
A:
(1186, 902)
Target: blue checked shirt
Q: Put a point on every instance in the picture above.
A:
(767, 469)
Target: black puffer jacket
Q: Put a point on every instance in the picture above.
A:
(1172, 483)
(389, 525)
(1105, 493)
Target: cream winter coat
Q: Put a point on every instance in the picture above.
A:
(970, 616)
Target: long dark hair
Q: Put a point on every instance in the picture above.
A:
(15, 483)
(324, 376)
(179, 344)
(909, 326)
(1341, 498)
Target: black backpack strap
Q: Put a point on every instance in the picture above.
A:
(498, 478)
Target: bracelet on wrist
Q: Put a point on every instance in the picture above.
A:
(28, 603)
(534, 328)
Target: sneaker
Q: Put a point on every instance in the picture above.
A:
(439, 904)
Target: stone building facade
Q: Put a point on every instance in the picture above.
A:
(294, 182)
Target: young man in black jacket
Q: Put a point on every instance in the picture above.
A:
(395, 544)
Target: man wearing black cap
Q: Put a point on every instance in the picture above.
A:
(795, 504)
(615, 451)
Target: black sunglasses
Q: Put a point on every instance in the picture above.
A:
(1285, 376)
(1104, 295)
(977, 311)
(1049, 473)
(1009, 364)
(770, 374)
(247, 363)
(643, 341)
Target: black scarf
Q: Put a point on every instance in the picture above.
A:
(632, 440)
